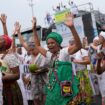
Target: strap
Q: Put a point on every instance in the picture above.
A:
(52, 63)
(55, 73)
(38, 59)
(56, 76)
(53, 59)
(81, 52)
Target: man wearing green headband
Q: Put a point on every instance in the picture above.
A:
(62, 55)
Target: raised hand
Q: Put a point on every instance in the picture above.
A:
(17, 27)
(13, 33)
(69, 20)
(3, 18)
(34, 21)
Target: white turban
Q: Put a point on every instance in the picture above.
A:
(102, 33)
(96, 38)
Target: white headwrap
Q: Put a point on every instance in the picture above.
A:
(102, 33)
(96, 38)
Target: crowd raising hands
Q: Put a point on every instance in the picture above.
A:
(82, 61)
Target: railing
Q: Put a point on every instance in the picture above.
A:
(86, 7)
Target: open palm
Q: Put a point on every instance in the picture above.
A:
(34, 21)
(69, 20)
(17, 27)
(3, 18)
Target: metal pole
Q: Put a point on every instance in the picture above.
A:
(32, 9)
(91, 6)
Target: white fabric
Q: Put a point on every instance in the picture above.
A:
(101, 81)
(63, 55)
(20, 81)
(73, 68)
(94, 83)
(11, 60)
(74, 9)
(27, 59)
(39, 60)
(20, 58)
(102, 34)
(79, 56)
(88, 67)
(22, 88)
(26, 91)
(26, 73)
(96, 38)
(1, 89)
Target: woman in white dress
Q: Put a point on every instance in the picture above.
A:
(10, 70)
(101, 66)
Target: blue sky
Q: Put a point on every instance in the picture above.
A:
(19, 10)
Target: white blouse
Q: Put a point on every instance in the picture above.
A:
(11, 60)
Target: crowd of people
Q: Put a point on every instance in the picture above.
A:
(71, 75)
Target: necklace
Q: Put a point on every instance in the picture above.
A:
(52, 80)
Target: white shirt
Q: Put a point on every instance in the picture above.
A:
(40, 60)
(11, 60)
(63, 55)
(37, 88)
(79, 56)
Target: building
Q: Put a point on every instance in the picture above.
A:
(85, 23)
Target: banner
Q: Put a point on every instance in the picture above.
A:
(61, 16)
(66, 33)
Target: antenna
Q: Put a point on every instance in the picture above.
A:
(31, 4)
(91, 6)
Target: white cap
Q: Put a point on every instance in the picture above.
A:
(102, 33)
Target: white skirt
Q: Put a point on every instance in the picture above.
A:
(21, 85)
(101, 81)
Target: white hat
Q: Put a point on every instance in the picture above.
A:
(102, 33)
